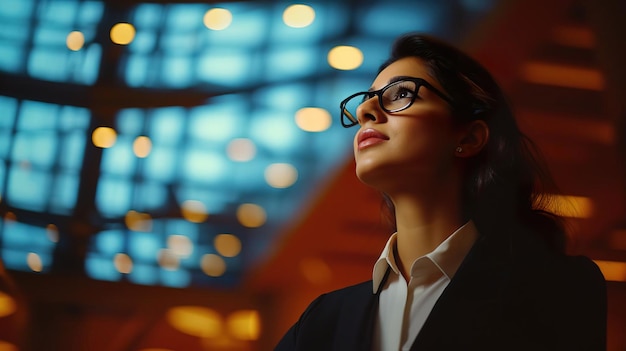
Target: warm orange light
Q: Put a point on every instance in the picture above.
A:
(168, 259)
(7, 346)
(313, 119)
(251, 215)
(244, 324)
(298, 16)
(122, 33)
(104, 137)
(34, 262)
(7, 305)
(142, 146)
(574, 36)
(315, 270)
(180, 245)
(75, 40)
(213, 265)
(241, 150)
(345, 57)
(194, 211)
(281, 175)
(227, 245)
(195, 320)
(612, 270)
(563, 75)
(218, 19)
(138, 222)
(123, 263)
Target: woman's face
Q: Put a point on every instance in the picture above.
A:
(412, 147)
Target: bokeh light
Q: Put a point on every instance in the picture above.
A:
(313, 119)
(34, 262)
(197, 321)
(104, 137)
(142, 146)
(281, 175)
(122, 33)
(123, 263)
(194, 211)
(218, 19)
(251, 215)
(227, 245)
(298, 15)
(244, 324)
(241, 150)
(345, 57)
(213, 265)
(75, 41)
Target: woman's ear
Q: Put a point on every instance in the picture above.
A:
(473, 139)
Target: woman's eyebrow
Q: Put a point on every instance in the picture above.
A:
(393, 80)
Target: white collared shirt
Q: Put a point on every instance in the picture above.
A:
(403, 307)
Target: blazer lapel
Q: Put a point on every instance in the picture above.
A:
(471, 304)
(358, 319)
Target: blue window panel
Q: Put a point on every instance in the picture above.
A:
(52, 36)
(15, 259)
(426, 16)
(249, 176)
(11, 56)
(74, 118)
(185, 17)
(38, 149)
(275, 130)
(48, 64)
(144, 274)
(30, 238)
(166, 126)
(28, 188)
(8, 106)
(6, 139)
(89, 70)
(113, 197)
(218, 122)
(177, 71)
(101, 268)
(152, 195)
(204, 166)
(176, 279)
(64, 192)
(215, 200)
(3, 174)
(12, 31)
(62, 12)
(119, 159)
(73, 148)
(248, 29)
(144, 42)
(108, 243)
(162, 163)
(136, 71)
(148, 16)
(16, 9)
(284, 63)
(36, 115)
(90, 12)
(144, 246)
(130, 121)
(180, 43)
(286, 97)
(183, 227)
(231, 68)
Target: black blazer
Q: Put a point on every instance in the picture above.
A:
(513, 295)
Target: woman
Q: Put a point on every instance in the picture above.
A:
(475, 263)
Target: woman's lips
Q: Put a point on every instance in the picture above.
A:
(369, 137)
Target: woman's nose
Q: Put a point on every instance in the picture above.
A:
(368, 110)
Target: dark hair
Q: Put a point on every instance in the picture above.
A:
(506, 184)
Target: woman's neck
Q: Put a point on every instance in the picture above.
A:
(424, 222)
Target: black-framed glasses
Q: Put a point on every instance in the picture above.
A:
(393, 97)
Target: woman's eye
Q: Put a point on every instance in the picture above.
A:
(403, 93)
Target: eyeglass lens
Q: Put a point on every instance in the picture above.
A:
(395, 97)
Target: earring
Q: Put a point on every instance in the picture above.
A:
(459, 149)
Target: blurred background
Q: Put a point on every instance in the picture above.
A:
(174, 176)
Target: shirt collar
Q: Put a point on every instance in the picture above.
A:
(447, 256)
